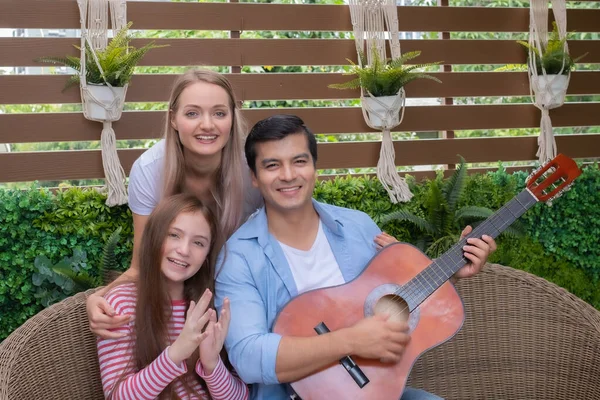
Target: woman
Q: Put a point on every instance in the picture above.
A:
(202, 154)
(171, 348)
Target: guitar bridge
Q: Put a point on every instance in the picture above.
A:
(347, 362)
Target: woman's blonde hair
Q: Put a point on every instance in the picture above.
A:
(228, 193)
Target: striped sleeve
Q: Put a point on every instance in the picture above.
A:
(222, 384)
(119, 377)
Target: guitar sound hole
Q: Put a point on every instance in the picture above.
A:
(394, 306)
(385, 299)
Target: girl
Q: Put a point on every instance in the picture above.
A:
(202, 154)
(171, 347)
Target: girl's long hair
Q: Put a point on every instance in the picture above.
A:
(153, 308)
(228, 193)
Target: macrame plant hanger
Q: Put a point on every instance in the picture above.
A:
(547, 91)
(103, 103)
(369, 20)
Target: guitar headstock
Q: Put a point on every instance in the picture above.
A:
(553, 178)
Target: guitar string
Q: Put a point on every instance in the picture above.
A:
(413, 291)
(474, 233)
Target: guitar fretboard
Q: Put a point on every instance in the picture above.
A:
(442, 268)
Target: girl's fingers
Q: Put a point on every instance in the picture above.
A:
(225, 315)
(213, 316)
(201, 337)
(209, 332)
(190, 309)
(204, 320)
(202, 304)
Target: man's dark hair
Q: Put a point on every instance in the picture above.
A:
(277, 127)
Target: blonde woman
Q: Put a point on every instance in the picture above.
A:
(202, 153)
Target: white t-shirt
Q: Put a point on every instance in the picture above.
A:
(315, 268)
(145, 183)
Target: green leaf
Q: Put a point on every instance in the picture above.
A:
(384, 77)
(37, 279)
(402, 215)
(474, 212)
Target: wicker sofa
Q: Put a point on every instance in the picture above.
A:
(524, 338)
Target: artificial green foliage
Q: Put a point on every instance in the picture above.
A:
(117, 60)
(368, 195)
(442, 223)
(55, 282)
(385, 77)
(561, 242)
(553, 58)
(109, 263)
(20, 243)
(570, 227)
(37, 222)
(72, 274)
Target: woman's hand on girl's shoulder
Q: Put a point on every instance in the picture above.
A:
(212, 344)
(191, 335)
(102, 317)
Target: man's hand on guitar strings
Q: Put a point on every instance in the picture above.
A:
(477, 252)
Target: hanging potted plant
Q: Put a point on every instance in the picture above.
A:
(553, 65)
(384, 81)
(107, 72)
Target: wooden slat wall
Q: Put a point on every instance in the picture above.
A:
(39, 89)
(83, 164)
(63, 14)
(25, 128)
(252, 52)
(53, 14)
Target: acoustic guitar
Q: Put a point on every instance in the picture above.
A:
(402, 281)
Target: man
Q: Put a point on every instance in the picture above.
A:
(292, 245)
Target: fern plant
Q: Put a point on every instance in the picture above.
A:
(442, 224)
(385, 77)
(117, 60)
(73, 274)
(553, 58)
(108, 265)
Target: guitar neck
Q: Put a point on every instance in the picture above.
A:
(442, 268)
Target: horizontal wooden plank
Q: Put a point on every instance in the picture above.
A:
(418, 175)
(24, 128)
(22, 51)
(48, 89)
(54, 14)
(431, 174)
(24, 167)
(445, 151)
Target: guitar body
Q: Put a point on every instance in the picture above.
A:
(434, 321)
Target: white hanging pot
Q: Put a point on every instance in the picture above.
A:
(101, 99)
(380, 109)
(550, 89)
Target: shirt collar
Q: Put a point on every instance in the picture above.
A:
(257, 227)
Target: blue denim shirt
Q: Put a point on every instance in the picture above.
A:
(257, 279)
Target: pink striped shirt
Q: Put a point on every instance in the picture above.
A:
(148, 383)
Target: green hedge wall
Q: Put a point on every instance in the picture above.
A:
(561, 244)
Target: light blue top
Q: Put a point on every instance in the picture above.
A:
(257, 279)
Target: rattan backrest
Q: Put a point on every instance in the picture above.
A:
(523, 338)
(52, 356)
